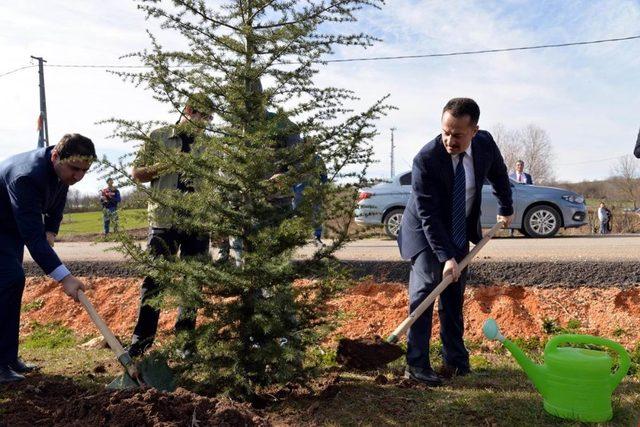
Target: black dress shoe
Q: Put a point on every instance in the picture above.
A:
(8, 375)
(137, 349)
(449, 371)
(424, 375)
(22, 368)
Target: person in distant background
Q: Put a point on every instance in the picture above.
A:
(109, 199)
(520, 175)
(604, 216)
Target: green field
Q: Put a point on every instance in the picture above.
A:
(91, 222)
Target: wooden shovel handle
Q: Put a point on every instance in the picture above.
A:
(121, 354)
(446, 281)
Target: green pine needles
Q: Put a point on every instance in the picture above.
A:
(250, 64)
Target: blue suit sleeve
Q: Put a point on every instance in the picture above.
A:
(53, 217)
(499, 179)
(428, 202)
(26, 203)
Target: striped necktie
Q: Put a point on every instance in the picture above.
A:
(459, 222)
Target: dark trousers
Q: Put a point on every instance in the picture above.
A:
(426, 274)
(166, 242)
(11, 287)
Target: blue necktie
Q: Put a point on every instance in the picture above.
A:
(459, 222)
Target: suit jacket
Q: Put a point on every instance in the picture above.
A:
(426, 222)
(527, 178)
(32, 199)
(636, 151)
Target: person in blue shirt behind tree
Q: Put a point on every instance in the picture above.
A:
(109, 199)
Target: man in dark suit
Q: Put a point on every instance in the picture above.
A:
(441, 217)
(33, 192)
(636, 151)
(519, 175)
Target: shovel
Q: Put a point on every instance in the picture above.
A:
(370, 354)
(152, 371)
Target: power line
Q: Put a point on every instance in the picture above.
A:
(17, 69)
(375, 58)
(110, 66)
(477, 52)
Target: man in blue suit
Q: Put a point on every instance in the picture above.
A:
(33, 192)
(441, 217)
(520, 175)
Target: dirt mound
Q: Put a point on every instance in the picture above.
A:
(115, 299)
(61, 402)
(377, 309)
(372, 309)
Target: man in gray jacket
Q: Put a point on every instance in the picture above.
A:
(164, 238)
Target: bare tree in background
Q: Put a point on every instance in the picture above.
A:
(531, 145)
(625, 174)
(507, 142)
(538, 153)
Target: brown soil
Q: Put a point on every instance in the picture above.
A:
(58, 401)
(115, 299)
(370, 309)
(377, 309)
(374, 309)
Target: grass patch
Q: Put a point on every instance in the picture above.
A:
(36, 304)
(498, 393)
(91, 222)
(49, 336)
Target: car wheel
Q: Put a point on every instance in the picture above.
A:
(542, 221)
(392, 222)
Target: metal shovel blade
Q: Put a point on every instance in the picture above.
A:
(153, 371)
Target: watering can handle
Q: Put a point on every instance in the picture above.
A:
(624, 359)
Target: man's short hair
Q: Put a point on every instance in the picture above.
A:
(201, 103)
(460, 107)
(519, 161)
(76, 145)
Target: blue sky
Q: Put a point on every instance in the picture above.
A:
(586, 97)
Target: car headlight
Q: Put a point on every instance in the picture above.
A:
(573, 198)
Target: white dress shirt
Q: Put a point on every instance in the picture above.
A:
(470, 178)
(520, 177)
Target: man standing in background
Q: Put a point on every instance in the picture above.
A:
(164, 238)
(520, 175)
(109, 199)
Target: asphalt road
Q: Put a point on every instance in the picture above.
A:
(563, 248)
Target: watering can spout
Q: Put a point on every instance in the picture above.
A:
(534, 371)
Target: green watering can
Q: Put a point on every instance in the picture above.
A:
(576, 383)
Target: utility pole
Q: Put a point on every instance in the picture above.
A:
(43, 122)
(393, 129)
